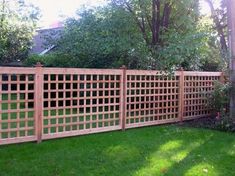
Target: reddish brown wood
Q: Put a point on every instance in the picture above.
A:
(38, 98)
(62, 102)
(181, 95)
(197, 87)
(123, 98)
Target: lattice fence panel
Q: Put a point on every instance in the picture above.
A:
(81, 103)
(17, 119)
(44, 103)
(197, 87)
(151, 98)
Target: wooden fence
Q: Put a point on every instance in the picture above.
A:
(44, 103)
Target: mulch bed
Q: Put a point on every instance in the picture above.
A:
(211, 123)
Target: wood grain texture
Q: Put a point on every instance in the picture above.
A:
(45, 103)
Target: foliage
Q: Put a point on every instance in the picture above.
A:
(218, 99)
(97, 40)
(225, 123)
(17, 24)
(161, 150)
(127, 32)
(51, 60)
(219, 17)
(211, 58)
(168, 29)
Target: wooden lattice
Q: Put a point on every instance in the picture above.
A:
(197, 87)
(83, 102)
(43, 103)
(151, 98)
(17, 105)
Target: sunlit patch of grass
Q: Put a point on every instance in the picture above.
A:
(170, 153)
(154, 151)
(171, 145)
(179, 156)
(202, 169)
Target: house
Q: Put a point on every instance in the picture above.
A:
(41, 40)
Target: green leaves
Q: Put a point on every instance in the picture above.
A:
(104, 38)
(122, 33)
(17, 25)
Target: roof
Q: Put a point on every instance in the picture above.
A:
(40, 40)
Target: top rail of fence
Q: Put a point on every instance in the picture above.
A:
(81, 70)
(17, 70)
(47, 70)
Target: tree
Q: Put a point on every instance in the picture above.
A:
(140, 34)
(17, 24)
(219, 16)
(103, 38)
(231, 22)
(156, 17)
(166, 27)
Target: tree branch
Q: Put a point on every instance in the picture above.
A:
(140, 24)
(219, 26)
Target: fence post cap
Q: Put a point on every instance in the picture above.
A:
(38, 64)
(123, 67)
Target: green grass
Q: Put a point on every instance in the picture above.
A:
(161, 150)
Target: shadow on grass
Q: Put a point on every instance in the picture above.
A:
(161, 150)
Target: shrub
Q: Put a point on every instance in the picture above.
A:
(52, 60)
(218, 100)
(225, 123)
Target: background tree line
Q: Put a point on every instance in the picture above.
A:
(18, 21)
(153, 34)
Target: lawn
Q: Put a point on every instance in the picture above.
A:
(161, 150)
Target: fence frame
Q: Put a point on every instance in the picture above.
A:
(39, 72)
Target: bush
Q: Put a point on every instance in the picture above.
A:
(218, 100)
(52, 60)
(225, 123)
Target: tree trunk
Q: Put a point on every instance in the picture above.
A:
(166, 16)
(155, 21)
(231, 27)
(219, 28)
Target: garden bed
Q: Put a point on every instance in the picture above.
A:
(223, 123)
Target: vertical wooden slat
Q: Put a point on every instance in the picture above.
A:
(123, 98)
(38, 98)
(181, 95)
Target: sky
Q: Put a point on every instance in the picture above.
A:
(53, 11)
(56, 10)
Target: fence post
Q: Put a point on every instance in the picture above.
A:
(38, 99)
(123, 99)
(181, 94)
